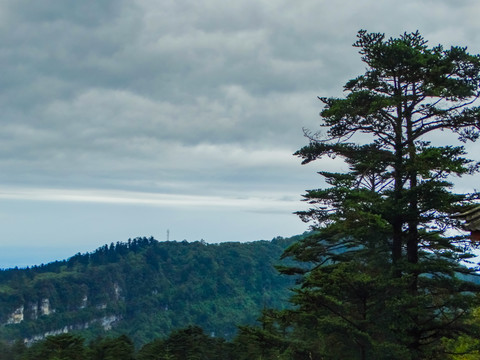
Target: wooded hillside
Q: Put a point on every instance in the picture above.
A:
(145, 289)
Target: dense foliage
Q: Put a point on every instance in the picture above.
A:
(145, 289)
(189, 343)
(386, 275)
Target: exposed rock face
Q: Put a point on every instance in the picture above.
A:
(35, 310)
(45, 307)
(17, 316)
(32, 312)
(107, 322)
(84, 302)
(117, 290)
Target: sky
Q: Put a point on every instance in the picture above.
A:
(132, 118)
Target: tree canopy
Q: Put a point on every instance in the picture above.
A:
(145, 289)
(386, 266)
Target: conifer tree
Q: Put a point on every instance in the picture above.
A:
(385, 275)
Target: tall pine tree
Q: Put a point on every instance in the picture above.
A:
(383, 273)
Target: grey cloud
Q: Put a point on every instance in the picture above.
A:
(85, 13)
(178, 98)
(110, 93)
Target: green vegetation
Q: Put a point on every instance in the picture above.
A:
(189, 343)
(145, 289)
(386, 275)
(382, 275)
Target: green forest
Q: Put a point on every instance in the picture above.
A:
(387, 269)
(145, 289)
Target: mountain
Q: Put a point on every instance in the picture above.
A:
(145, 289)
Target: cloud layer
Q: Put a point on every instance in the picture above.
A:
(187, 98)
(130, 91)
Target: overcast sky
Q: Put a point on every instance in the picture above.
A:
(129, 118)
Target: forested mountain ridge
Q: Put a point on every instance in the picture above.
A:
(145, 289)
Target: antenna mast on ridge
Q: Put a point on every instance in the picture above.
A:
(168, 235)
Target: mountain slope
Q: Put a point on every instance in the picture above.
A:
(145, 289)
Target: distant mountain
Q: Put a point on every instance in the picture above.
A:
(145, 289)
